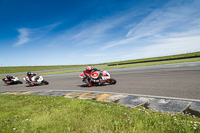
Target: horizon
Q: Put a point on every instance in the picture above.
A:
(102, 62)
(50, 33)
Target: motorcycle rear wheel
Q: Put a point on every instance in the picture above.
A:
(20, 82)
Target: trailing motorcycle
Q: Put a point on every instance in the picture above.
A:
(98, 78)
(35, 81)
(14, 80)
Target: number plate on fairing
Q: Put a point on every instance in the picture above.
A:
(95, 75)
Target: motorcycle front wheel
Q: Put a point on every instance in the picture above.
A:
(45, 82)
(112, 81)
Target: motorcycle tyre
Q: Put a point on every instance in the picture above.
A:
(45, 82)
(95, 84)
(112, 81)
(20, 82)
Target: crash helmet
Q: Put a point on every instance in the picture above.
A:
(88, 68)
(8, 76)
(29, 73)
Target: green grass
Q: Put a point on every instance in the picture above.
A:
(158, 58)
(4, 70)
(49, 114)
(152, 63)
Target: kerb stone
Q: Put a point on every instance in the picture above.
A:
(169, 106)
(134, 101)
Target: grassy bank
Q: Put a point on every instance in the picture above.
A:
(59, 114)
(159, 58)
(4, 70)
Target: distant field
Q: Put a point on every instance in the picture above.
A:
(158, 58)
(4, 70)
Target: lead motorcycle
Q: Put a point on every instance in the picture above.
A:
(39, 81)
(14, 80)
(104, 76)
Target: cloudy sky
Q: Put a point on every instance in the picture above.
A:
(65, 32)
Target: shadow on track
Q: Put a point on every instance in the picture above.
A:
(34, 85)
(85, 85)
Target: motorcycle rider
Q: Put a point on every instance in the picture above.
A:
(87, 73)
(30, 75)
(10, 78)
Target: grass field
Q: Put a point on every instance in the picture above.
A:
(158, 58)
(4, 70)
(49, 114)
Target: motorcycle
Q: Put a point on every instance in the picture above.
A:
(98, 78)
(39, 81)
(15, 80)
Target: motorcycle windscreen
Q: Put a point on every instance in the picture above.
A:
(81, 75)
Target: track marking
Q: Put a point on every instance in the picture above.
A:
(13, 92)
(103, 97)
(141, 95)
(23, 93)
(85, 95)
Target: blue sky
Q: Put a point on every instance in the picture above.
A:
(66, 32)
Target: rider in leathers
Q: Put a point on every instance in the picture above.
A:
(10, 78)
(87, 73)
(30, 75)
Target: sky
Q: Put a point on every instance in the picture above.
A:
(72, 32)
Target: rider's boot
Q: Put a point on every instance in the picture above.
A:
(100, 81)
(89, 84)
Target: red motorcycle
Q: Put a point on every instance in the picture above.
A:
(98, 78)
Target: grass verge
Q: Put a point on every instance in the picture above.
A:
(159, 58)
(152, 63)
(4, 70)
(58, 114)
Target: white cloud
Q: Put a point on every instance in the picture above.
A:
(120, 42)
(96, 32)
(173, 20)
(165, 46)
(23, 36)
(27, 35)
(93, 55)
(164, 21)
(174, 45)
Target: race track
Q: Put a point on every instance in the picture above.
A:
(180, 82)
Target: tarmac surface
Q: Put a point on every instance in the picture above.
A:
(180, 80)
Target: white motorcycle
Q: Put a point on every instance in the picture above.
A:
(15, 80)
(35, 81)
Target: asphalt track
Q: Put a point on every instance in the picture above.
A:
(176, 80)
